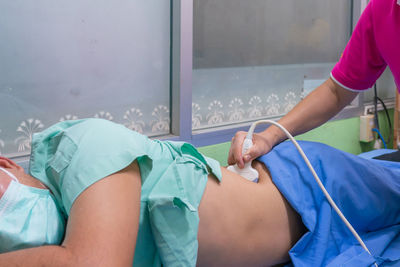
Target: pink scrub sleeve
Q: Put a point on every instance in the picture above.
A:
(361, 63)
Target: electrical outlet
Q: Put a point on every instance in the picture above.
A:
(366, 126)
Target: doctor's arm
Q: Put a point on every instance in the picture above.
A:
(318, 107)
(101, 230)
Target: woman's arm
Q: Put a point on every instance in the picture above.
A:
(318, 107)
(102, 227)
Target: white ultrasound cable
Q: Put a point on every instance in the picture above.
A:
(328, 197)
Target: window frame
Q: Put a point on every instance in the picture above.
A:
(181, 82)
(181, 66)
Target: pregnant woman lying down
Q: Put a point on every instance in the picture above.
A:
(99, 194)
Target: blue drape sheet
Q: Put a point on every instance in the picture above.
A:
(366, 190)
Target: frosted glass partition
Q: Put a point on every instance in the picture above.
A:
(223, 96)
(257, 59)
(77, 59)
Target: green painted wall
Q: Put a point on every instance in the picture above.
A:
(341, 134)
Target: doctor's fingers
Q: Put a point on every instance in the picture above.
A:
(260, 147)
(235, 151)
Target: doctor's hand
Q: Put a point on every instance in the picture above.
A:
(261, 145)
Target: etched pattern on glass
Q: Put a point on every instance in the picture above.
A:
(68, 117)
(236, 113)
(104, 115)
(27, 129)
(133, 116)
(216, 114)
(290, 101)
(161, 123)
(273, 106)
(255, 109)
(223, 111)
(196, 116)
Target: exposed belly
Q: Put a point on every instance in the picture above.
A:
(245, 224)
